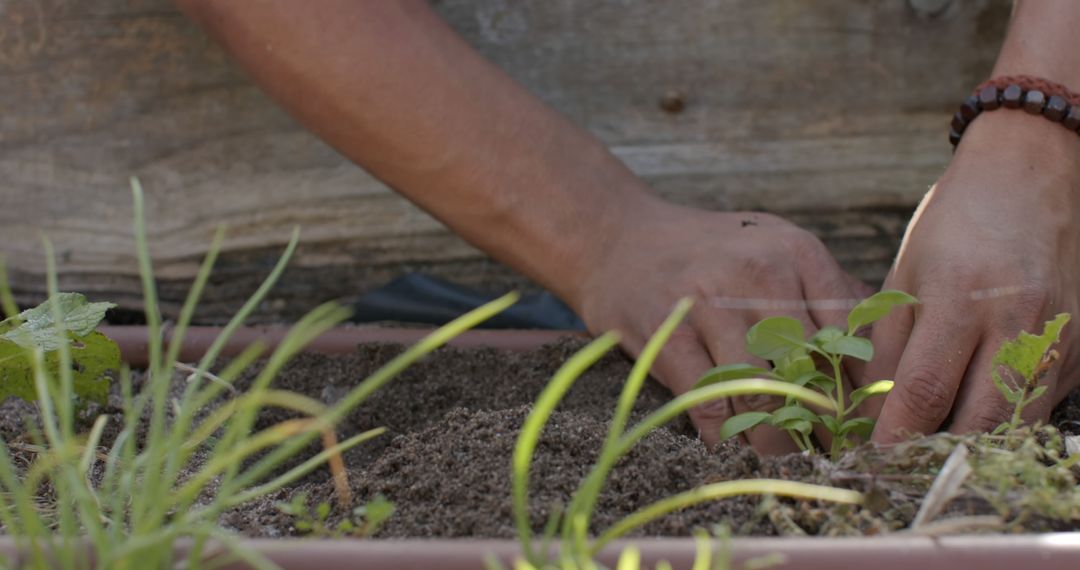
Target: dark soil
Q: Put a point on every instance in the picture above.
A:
(452, 424)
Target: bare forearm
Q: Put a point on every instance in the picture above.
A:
(1043, 41)
(395, 90)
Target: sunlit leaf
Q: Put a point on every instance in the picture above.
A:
(876, 306)
(1025, 353)
(873, 389)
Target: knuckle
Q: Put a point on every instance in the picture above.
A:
(711, 413)
(925, 395)
(758, 269)
(989, 413)
(1031, 301)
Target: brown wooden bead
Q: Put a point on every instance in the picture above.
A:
(1072, 118)
(1056, 107)
(1012, 97)
(958, 123)
(954, 137)
(1034, 101)
(988, 98)
(970, 108)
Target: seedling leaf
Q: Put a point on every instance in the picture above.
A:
(861, 427)
(732, 372)
(873, 389)
(876, 306)
(826, 335)
(775, 337)
(795, 365)
(742, 422)
(35, 328)
(789, 417)
(1025, 353)
(854, 346)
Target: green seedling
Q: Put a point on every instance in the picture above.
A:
(364, 521)
(1025, 360)
(130, 504)
(783, 342)
(577, 549)
(93, 355)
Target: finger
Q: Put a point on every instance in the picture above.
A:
(725, 347)
(679, 365)
(929, 374)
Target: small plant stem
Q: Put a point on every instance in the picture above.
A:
(797, 437)
(837, 440)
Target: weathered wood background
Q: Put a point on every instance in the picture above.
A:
(831, 112)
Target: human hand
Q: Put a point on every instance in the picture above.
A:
(993, 249)
(739, 268)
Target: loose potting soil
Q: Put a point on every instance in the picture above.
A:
(452, 422)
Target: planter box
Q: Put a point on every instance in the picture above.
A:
(900, 550)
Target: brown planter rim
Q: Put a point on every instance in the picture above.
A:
(1059, 551)
(341, 340)
(901, 551)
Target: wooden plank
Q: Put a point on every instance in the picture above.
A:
(831, 112)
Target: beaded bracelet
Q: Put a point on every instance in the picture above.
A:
(1037, 96)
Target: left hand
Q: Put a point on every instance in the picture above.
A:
(993, 249)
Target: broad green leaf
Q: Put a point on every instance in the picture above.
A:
(93, 356)
(826, 335)
(831, 423)
(36, 327)
(742, 422)
(876, 306)
(854, 346)
(873, 389)
(1025, 353)
(732, 372)
(861, 427)
(788, 416)
(794, 365)
(809, 377)
(775, 337)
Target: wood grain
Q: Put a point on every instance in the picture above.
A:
(832, 112)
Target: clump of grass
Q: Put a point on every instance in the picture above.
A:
(577, 548)
(127, 505)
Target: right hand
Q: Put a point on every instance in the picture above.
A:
(739, 267)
